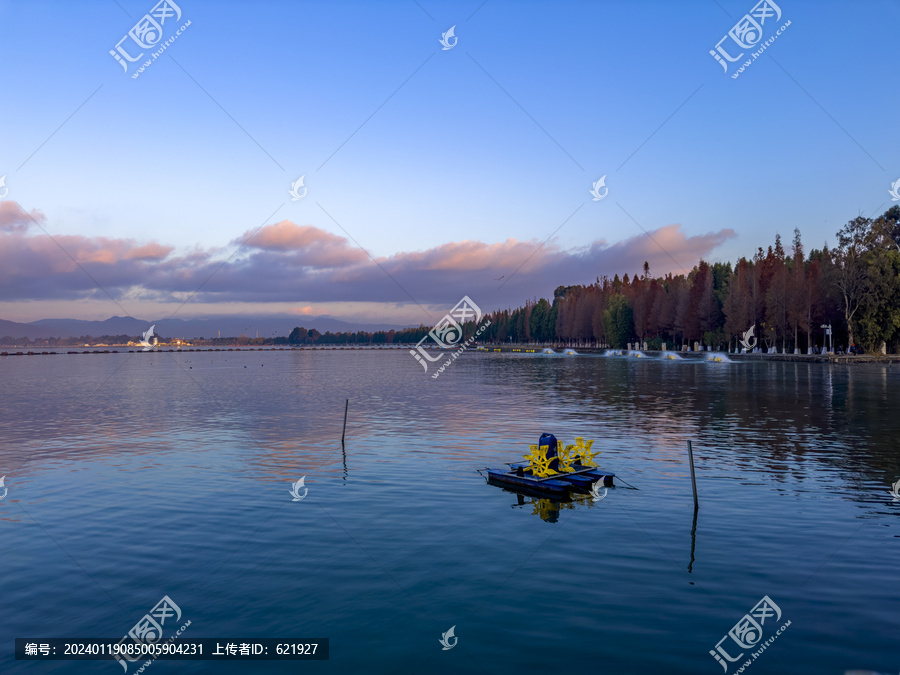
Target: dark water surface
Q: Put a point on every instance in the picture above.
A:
(134, 476)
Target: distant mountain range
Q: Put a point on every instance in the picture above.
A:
(268, 326)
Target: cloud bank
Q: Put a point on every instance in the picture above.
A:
(286, 262)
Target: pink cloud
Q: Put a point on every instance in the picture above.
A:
(151, 251)
(308, 245)
(468, 255)
(14, 219)
(665, 244)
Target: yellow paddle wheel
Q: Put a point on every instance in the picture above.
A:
(583, 452)
(539, 464)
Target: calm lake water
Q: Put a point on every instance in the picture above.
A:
(134, 476)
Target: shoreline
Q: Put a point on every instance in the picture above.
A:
(518, 349)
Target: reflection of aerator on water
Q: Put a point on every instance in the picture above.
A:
(554, 469)
(547, 509)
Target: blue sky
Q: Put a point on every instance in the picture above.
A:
(495, 140)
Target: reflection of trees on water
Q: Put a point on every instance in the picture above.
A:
(767, 414)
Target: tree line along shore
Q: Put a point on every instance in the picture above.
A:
(788, 298)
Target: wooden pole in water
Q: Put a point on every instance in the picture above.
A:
(693, 478)
(693, 541)
(347, 406)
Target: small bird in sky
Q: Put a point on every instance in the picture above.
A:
(500, 278)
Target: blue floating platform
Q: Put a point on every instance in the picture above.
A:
(518, 477)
